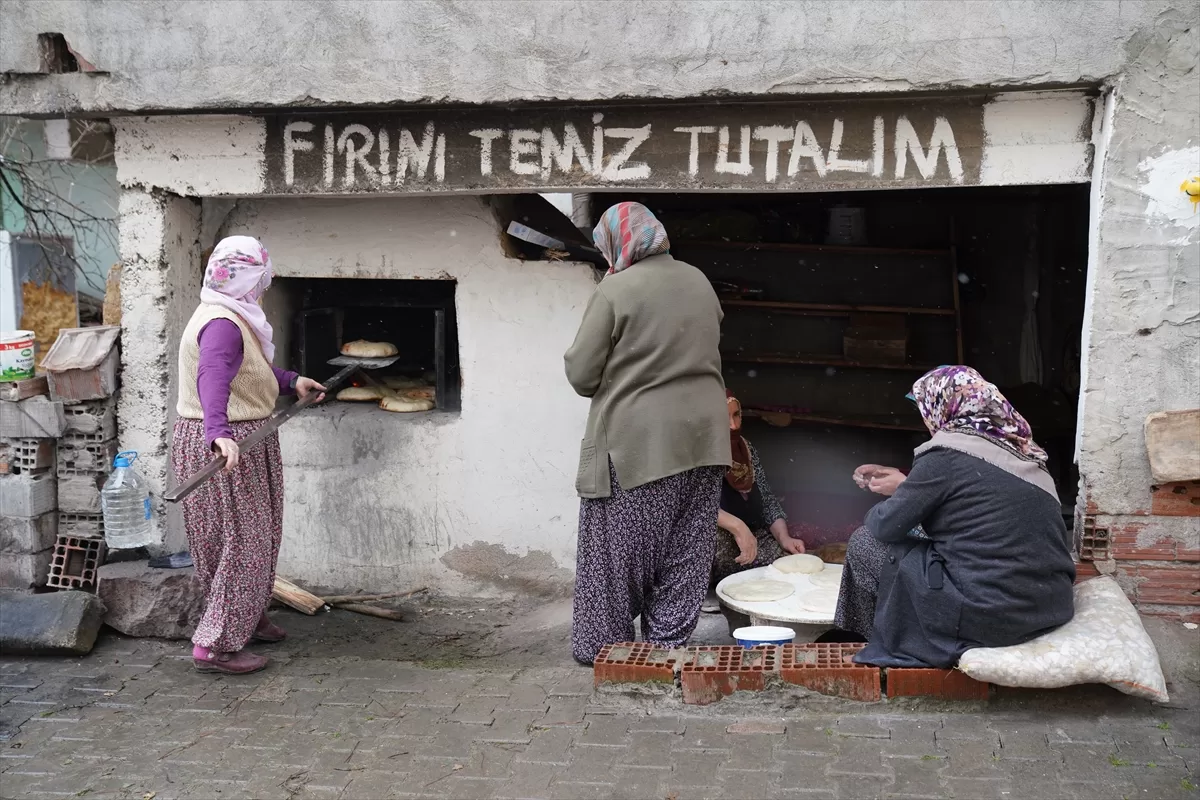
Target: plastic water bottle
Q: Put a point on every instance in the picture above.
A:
(125, 500)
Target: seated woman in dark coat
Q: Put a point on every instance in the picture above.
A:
(752, 528)
(971, 544)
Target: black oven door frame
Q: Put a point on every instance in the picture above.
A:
(320, 326)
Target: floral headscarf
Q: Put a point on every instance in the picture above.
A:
(740, 474)
(238, 274)
(627, 233)
(958, 400)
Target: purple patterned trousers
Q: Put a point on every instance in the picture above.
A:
(645, 552)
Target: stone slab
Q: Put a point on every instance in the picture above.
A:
(32, 418)
(58, 623)
(1173, 445)
(80, 494)
(141, 601)
(28, 495)
(25, 570)
(25, 535)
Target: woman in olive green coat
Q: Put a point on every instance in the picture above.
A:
(657, 442)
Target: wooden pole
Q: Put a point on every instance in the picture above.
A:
(372, 611)
(340, 599)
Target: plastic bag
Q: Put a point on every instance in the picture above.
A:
(1104, 643)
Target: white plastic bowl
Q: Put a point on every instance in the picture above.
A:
(755, 635)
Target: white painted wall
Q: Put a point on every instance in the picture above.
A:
(374, 500)
(159, 54)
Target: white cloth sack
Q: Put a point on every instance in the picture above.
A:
(1104, 643)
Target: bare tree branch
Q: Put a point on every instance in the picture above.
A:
(51, 215)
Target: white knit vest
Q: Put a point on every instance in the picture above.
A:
(254, 389)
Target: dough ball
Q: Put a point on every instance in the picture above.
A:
(802, 564)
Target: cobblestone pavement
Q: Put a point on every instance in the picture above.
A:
(133, 720)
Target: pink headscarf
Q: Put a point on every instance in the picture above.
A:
(238, 273)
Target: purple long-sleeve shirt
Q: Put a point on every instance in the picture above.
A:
(221, 356)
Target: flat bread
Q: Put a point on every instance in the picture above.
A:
(365, 349)
(827, 578)
(801, 564)
(403, 405)
(360, 394)
(419, 393)
(759, 591)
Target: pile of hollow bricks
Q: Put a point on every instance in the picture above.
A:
(706, 674)
(55, 454)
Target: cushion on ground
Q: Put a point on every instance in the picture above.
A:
(1104, 643)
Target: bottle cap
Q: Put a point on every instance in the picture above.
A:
(125, 458)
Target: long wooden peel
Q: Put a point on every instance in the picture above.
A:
(349, 367)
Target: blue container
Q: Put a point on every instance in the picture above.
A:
(755, 635)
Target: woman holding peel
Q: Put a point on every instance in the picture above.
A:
(227, 390)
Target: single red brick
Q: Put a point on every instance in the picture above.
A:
(633, 662)
(1176, 499)
(949, 684)
(1181, 577)
(716, 672)
(828, 668)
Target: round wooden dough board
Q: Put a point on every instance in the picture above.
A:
(809, 605)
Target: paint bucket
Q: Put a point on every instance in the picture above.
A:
(755, 635)
(16, 355)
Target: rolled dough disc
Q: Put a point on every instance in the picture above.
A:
(759, 591)
(405, 404)
(800, 564)
(359, 394)
(828, 578)
(365, 349)
(819, 600)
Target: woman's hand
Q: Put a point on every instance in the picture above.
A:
(229, 449)
(789, 545)
(742, 535)
(306, 386)
(880, 480)
(886, 481)
(747, 545)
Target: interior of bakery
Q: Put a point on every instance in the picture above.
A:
(836, 302)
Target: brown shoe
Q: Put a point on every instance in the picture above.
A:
(239, 663)
(267, 631)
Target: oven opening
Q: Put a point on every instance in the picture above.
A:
(417, 316)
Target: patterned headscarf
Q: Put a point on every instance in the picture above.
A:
(238, 274)
(740, 474)
(627, 233)
(958, 400)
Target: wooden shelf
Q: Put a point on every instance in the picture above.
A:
(790, 247)
(832, 309)
(849, 422)
(819, 361)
